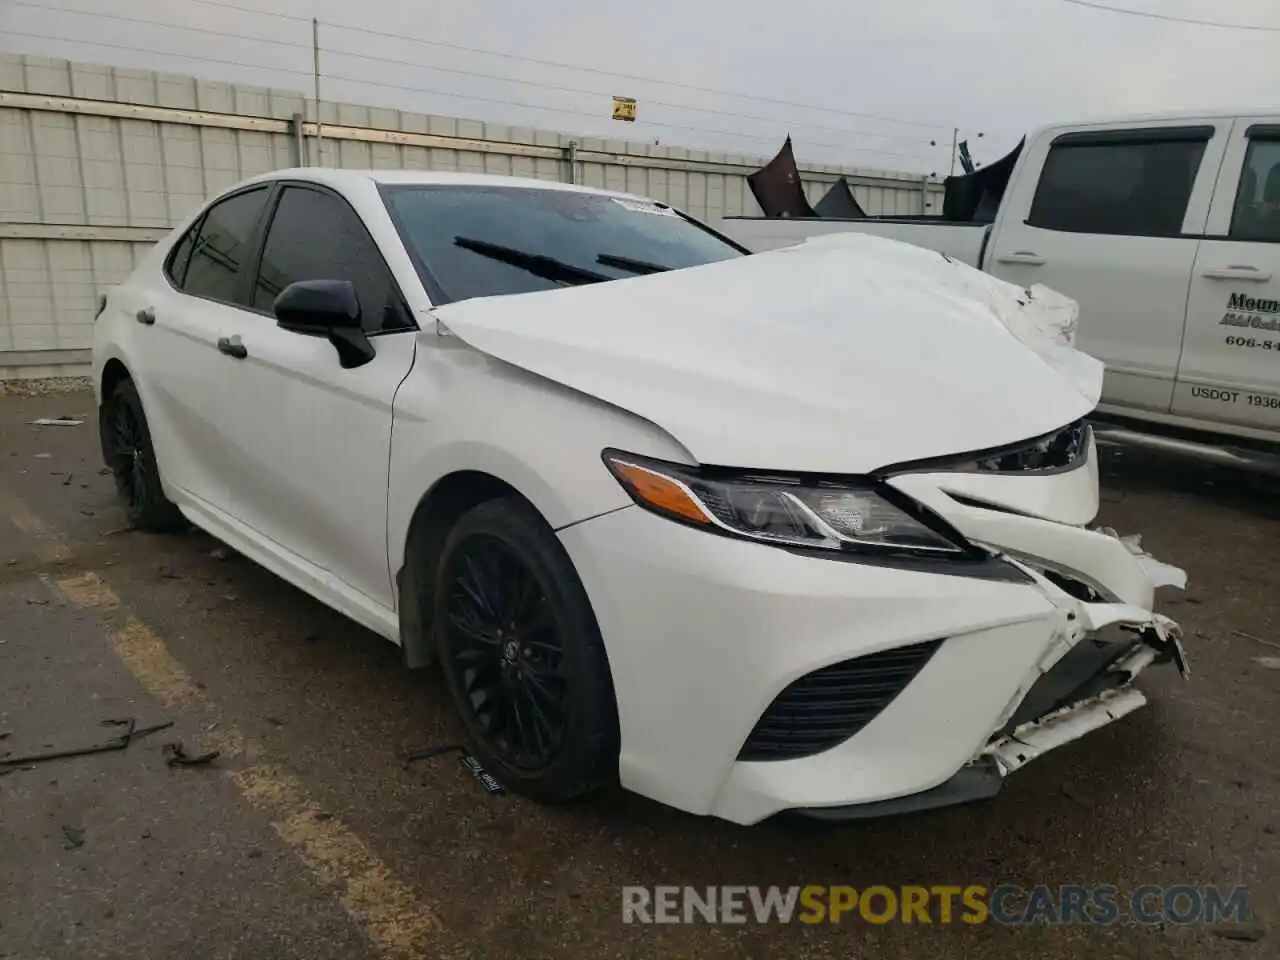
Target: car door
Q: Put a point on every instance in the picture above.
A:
(316, 437)
(1230, 368)
(1112, 221)
(178, 364)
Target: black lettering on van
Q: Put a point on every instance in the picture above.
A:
(1213, 393)
(1248, 304)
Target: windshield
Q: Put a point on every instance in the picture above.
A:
(479, 241)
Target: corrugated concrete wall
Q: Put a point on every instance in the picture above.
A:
(97, 163)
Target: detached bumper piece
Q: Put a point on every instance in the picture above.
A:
(1088, 688)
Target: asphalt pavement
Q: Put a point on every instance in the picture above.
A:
(307, 835)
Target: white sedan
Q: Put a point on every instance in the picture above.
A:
(800, 531)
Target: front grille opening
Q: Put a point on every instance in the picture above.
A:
(830, 705)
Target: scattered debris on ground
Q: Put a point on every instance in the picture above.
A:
(73, 837)
(44, 386)
(1242, 934)
(472, 765)
(131, 733)
(175, 755)
(1250, 636)
(426, 753)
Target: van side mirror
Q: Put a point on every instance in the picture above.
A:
(326, 308)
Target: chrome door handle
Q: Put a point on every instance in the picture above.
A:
(146, 316)
(232, 347)
(1024, 257)
(1237, 271)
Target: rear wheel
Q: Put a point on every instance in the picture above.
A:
(128, 452)
(522, 655)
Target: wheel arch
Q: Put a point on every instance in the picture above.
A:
(114, 372)
(437, 510)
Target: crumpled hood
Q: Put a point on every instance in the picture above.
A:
(824, 358)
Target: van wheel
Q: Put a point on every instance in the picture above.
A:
(522, 655)
(127, 450)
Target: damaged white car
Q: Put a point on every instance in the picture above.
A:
(798, 531)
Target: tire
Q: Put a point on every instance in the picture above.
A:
(501, 558)
(127, 450)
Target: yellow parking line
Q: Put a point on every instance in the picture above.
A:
(49, 546)
(87, 590)
(387, 908)
(395, 920)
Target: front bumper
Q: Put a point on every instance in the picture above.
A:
(1090, 687)
(704, 633)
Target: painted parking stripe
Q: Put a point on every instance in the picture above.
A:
(398, 924)
(49, 546)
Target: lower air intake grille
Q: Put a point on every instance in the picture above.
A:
(828, 706)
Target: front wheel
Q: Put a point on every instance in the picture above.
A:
(522, 655)
(129, 453)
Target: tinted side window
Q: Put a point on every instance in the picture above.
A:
(316, 236)
(178, 259)
(1257, 213)
(217, 259)
(1132, 188)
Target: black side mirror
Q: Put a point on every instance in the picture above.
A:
(326, 308)
(318, 306)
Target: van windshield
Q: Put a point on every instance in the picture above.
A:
(480, 241)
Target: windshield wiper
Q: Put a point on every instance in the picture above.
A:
(540, 265)
(635, 266)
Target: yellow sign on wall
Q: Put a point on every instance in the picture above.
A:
(624, 108)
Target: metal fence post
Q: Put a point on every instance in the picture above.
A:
(571, 154)
(299, 144)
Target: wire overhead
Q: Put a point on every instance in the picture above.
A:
(519, 81)
(718, 91)
(1171, 18)
(457, 96)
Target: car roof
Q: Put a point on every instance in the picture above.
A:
(338, 179)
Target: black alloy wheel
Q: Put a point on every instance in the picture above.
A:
(128, 456)
(128, 452)
(505, 649)
(522, 654)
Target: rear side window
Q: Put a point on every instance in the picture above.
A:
(181, 256)
(317, 236)
(222, 243)
(1257, 211)
(1135, 184)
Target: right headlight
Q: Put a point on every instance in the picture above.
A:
(788, 511)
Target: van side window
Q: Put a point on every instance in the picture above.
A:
(1127, 183)
(1257, 210)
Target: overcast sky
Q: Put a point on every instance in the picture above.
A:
(869, 82)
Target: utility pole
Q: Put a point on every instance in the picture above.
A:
(955, 137)
(315, 70)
